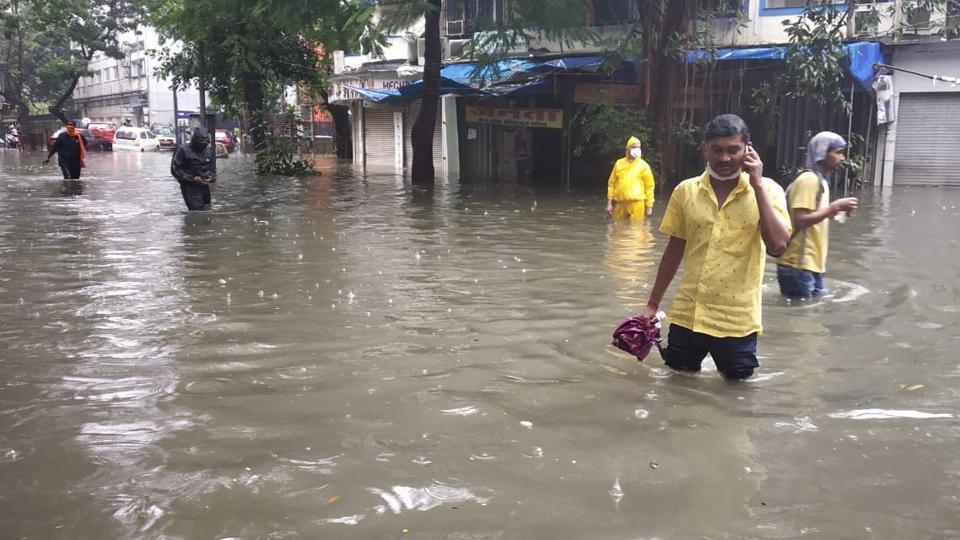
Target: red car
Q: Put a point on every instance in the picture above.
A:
(223, 136)
(103, 130)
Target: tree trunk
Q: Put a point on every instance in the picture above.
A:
(422, 134)
(253, 94)
(57, 108)
(343, 133)
(664, 69)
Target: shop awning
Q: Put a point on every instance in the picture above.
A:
(408, 93)
(863, 55)
(470, 73)
(467, 78)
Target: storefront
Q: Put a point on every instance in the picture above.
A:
(383, 120)
(919, 147)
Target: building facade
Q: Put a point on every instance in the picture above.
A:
(491, 127)
(128, 90)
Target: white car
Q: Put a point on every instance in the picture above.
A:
(135, 138)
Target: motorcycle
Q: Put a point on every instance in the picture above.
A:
(10, 140)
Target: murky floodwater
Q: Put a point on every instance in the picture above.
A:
(344, 357)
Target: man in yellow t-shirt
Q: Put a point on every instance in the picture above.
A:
(721, 225)
(630, 187)
(801, 267)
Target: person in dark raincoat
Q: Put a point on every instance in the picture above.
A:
(192, 165)
(71, 150)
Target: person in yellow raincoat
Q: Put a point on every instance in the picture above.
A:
(630, 188)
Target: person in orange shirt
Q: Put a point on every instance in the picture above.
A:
(70, 147)
(631, 186)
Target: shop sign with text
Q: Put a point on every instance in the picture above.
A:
(517, 117)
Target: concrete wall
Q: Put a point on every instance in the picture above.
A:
(937, 58)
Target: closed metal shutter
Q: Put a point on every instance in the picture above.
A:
(409, 117)
(378, 138)
(928, 140)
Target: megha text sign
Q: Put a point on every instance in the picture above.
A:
(518, 117)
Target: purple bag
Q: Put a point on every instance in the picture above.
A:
(637, 336)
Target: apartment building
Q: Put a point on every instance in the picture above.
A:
(129, 90)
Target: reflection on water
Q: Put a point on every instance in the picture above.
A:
(343, 356)
(630, 257)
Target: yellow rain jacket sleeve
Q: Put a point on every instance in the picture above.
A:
(631, 181)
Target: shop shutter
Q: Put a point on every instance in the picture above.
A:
(378, 138)
(928, 140)
(409, 117)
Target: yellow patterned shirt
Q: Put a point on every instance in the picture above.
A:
(808, 247)
(720, 288)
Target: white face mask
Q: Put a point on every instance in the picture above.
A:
(722, 178)
(634, 153)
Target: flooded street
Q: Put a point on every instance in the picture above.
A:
(348, 357)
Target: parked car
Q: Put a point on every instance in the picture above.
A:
(165, 136)
(137, 139)
(92, 140)
(226, 138)
(105, 131)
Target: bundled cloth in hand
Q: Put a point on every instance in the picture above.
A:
(637, 336)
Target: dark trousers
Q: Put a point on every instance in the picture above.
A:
(797, 283)
(197, 196)
(70, 172)
(736, 358)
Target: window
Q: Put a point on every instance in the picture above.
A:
(477, 15)
(795, 4)
(723, 8)
(789, 7)
(607, 12)
(125, 134)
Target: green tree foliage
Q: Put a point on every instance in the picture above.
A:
(278, 159)
(603, 130)
(243, 53)
(36, 65)
(51, 43)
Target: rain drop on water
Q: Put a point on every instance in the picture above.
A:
(616, 491)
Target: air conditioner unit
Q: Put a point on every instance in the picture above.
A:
(865, 21)
(952, 12)
(919, 20)
(455, 28)
(454, 48)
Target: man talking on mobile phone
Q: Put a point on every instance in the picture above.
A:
(721, 225)
(192, 166)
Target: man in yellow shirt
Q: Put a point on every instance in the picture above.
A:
(800, 269)
(721, 225)
(630, 187)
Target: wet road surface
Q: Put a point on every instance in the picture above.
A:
(344, 356)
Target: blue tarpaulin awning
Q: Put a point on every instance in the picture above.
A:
(469, 72)
(408, 93)
(863, 55)
(469, 78)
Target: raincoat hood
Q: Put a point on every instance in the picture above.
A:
(630, 142)
(199, 140)
(820, 145)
